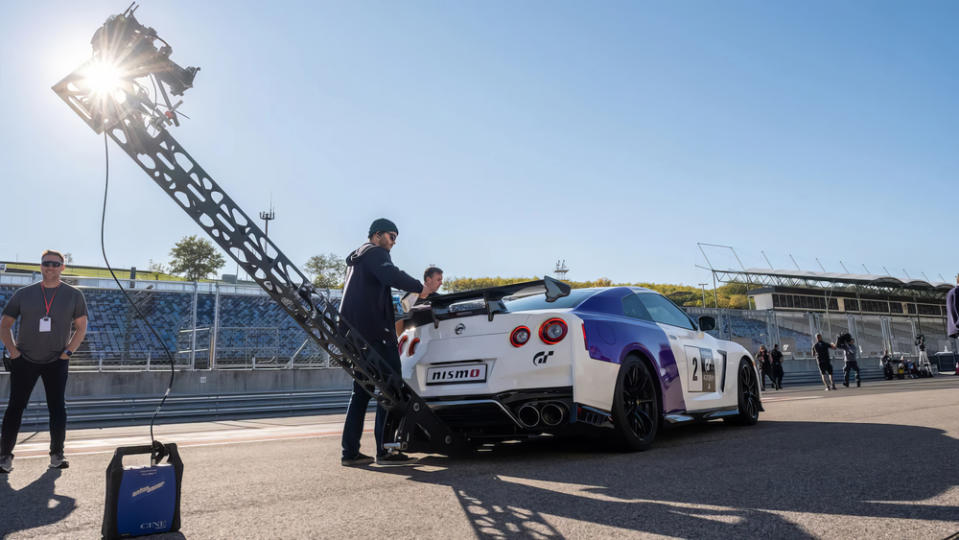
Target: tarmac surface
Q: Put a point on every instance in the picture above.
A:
(881, 461)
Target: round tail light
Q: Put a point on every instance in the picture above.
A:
(552, 331)
(520, 336)
(402, 342)
(413, 345)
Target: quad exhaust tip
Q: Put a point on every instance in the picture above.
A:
(553, 413)
(528, 415)
(533, 414)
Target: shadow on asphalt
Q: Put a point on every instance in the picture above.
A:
(36, 504)
(741, 474)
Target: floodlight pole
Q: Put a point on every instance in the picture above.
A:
(267, 217)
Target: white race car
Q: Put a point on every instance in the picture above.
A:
(537, 357)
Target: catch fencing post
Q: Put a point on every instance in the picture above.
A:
(216, 325)
(196, 299)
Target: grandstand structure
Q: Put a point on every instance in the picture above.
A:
(883, 313)
(206, 325)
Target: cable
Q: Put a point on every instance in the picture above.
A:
(103, 218)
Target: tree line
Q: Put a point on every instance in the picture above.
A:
(196, 258)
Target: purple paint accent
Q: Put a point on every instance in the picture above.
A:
(610, 336)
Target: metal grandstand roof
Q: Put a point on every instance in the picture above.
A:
(794, 278)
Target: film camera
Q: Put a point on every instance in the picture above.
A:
(843, 339)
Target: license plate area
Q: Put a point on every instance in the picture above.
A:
(459, 373)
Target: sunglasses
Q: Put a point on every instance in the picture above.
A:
(52, 264)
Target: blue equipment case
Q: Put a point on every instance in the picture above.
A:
(143, 500)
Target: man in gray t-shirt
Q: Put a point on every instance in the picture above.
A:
(53, 323)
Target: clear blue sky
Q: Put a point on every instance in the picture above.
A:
(502, 136)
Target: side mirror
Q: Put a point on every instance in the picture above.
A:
(707, 323)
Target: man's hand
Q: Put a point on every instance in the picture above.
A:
(428, 290)
(14, 354)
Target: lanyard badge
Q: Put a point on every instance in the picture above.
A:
(45, 321)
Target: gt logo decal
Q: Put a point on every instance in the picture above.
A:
(540, 358)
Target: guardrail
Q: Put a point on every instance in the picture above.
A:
(136, 410)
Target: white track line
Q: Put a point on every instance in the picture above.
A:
(775, 399)
(184, 440)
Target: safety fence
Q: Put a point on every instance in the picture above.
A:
(203, 325)
(795, 331)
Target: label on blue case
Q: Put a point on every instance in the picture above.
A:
(147, 500)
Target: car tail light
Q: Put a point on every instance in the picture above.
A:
(413, 345)
(520, 336)
(402, 342)
(552, 331)
(585, 342)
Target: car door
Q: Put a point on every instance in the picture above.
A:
(701, 365)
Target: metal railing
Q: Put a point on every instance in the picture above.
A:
(795, 331)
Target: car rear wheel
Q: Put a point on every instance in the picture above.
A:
(748, 392)
(635, 405)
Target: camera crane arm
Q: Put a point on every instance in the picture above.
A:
(107, 92)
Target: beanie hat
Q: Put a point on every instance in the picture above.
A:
(382, 225)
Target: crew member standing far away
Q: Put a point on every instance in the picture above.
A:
(367, 305)
(48, 312)
(777, 364)
(850, 354)
(952, 311)
(820, 350)
(765, 366)
(952, 314)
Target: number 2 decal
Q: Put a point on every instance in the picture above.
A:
(698, 369)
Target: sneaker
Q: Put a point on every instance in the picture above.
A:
(834, 387)
(356, 461)
(845, 384)
(827, 388)
(858, 384)
(57, 461)
(6, 464)
(398, 458)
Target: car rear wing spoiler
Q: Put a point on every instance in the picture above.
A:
(439, 306)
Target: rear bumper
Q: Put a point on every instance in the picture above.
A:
(516, 412)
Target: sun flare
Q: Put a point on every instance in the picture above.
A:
(103, 78)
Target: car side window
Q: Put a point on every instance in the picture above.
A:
(663, 311)
(633, 307)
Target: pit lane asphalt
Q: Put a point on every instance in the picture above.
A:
(881, 461)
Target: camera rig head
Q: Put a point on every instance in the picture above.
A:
(111, 87)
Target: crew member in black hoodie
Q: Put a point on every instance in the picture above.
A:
(952, 312)
(368, 306)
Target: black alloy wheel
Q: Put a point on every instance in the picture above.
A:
(635, 405)
(748, 392)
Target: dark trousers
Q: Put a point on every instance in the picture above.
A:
(360, 400)
(23, 377)
(778, 376)
(850, 366)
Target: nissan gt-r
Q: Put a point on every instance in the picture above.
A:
(539, 357)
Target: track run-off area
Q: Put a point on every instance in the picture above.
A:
(881, 461)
